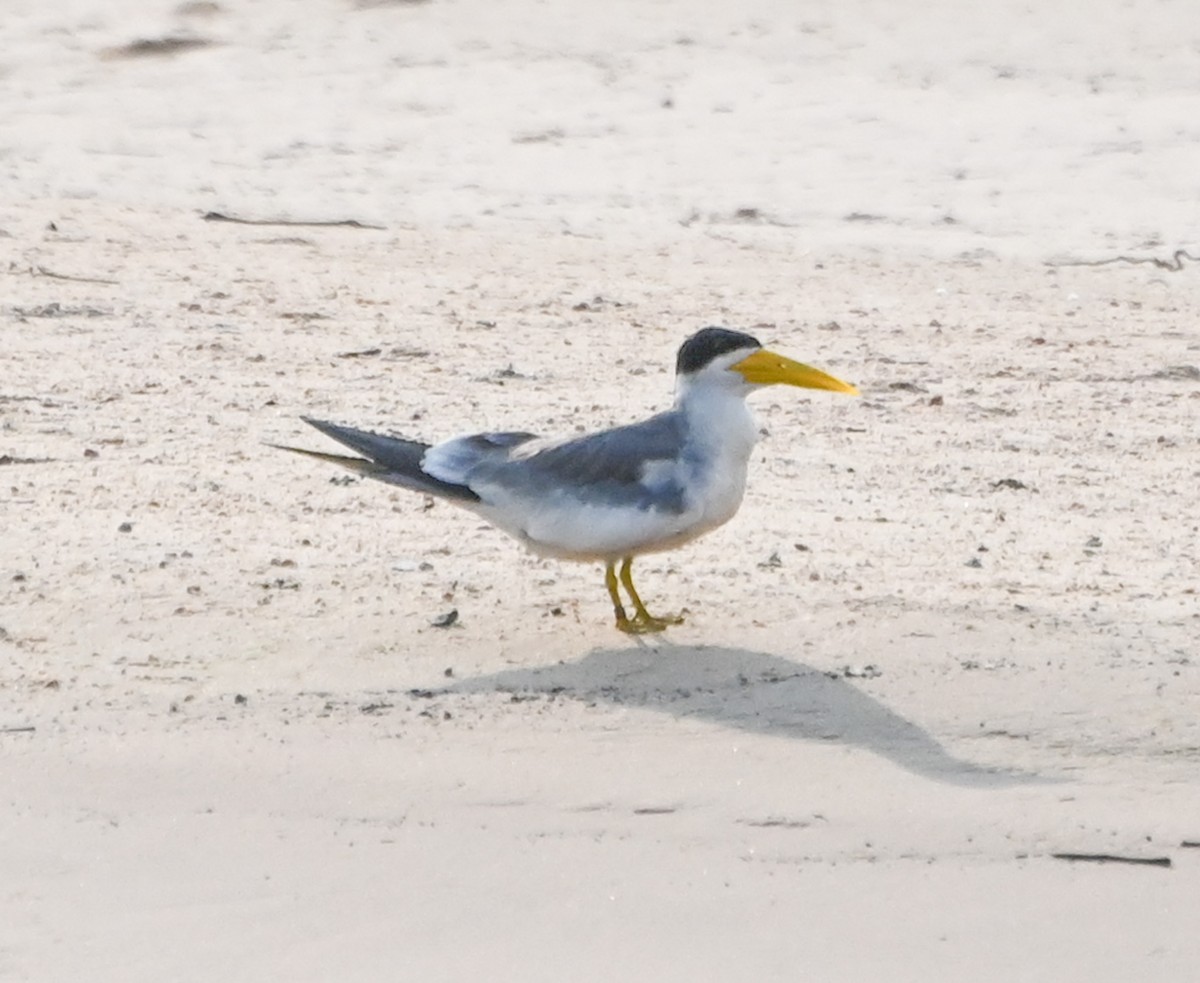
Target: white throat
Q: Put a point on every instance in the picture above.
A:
(718, 418)
(721, 434)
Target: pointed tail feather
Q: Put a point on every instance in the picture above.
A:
(393, 453)
(391, 459)
(361, 465)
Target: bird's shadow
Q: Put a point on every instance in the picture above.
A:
(749, 691)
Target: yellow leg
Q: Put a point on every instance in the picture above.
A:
(610, 581)
(643, 621)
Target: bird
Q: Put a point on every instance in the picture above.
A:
(611, 495)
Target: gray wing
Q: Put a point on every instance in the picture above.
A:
(637, 465)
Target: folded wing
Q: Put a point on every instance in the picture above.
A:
(637, 466)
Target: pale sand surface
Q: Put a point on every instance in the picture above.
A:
(952, 632)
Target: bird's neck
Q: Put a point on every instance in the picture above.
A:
(719, 421)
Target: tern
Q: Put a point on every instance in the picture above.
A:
(613, 495)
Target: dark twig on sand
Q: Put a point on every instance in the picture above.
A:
(1174, 264)
(170, 45)
(349, 223)
(42, 271)
(1112, 858)
(6, 459)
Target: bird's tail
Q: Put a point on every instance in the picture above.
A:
(360, 465)
(391, 459)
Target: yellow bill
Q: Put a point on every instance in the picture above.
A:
(765, 368)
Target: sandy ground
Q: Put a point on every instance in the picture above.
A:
(952, 632)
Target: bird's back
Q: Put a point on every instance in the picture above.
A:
(631, 466)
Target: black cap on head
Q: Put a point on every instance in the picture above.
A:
(709, 343)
